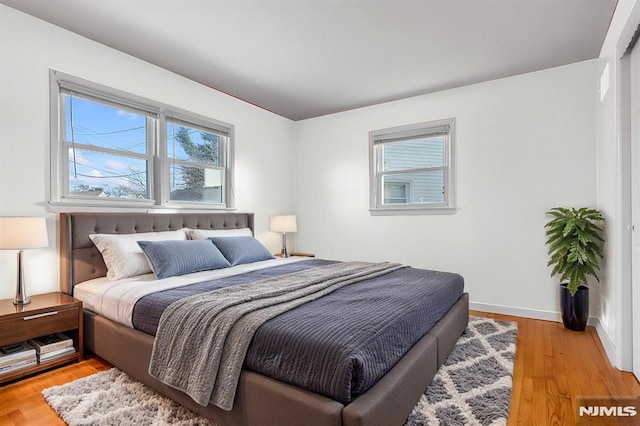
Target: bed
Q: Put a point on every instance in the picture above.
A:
(260, 400)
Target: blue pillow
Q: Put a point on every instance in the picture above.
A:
(239, 250)
(170, 258)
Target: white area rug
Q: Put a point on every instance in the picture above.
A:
(112, 398)
(473, 387)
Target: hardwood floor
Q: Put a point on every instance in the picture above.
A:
(553, 368)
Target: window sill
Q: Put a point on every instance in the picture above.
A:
(412, 211)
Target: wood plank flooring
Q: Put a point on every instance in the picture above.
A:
(553, 368)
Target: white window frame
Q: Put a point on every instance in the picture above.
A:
(226, 158)
(377, 139)
(157, 157)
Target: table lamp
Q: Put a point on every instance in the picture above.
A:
(19, 233)
(283, 224)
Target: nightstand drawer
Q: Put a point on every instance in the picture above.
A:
(38, 324)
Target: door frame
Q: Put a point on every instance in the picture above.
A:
(630, 144)
(627, 339)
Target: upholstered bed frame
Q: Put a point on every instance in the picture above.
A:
(260, 400)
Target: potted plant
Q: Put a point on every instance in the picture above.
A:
(575, 247)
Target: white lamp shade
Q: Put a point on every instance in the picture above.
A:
(283, 224)
(17, 233)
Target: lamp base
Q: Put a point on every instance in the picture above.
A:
(284, 252)
(22, 301)
(21, 294)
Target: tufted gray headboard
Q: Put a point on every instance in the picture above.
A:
(80, 260)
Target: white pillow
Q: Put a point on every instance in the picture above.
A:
(203, 234)
(122, 254)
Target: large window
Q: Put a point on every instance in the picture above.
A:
(412, 168)
(112, 148)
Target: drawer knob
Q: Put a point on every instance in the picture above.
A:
(45, 314)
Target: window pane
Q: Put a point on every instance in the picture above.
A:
(101, 125)
(413, 153)
(96, 174)
(195, 145)
(195, 184)
(414, 188)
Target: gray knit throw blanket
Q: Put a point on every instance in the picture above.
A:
(202, 340)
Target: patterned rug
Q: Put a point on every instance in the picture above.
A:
(473, 387)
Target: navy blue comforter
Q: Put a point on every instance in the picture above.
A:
(338, 345)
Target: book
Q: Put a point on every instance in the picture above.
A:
(48, 356)
(18, 366)
(27, 356)
(15, 351)
(51, 342)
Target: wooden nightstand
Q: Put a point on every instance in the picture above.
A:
(46, 314)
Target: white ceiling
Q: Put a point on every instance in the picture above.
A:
(306, 58)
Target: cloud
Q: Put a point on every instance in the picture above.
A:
(127, 114)
(95, 173)
(79, 158)
(115, 164)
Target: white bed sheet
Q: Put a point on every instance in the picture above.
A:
(116, 299)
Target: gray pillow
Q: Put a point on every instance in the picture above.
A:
(239, 250)
(170, 258)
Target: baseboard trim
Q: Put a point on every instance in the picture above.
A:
(525, 312)
(516, 312)
(607, 344)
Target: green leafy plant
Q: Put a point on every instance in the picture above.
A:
(575, 244)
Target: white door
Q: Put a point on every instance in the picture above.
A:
(635, 203)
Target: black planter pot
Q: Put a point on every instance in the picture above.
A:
(575, 310)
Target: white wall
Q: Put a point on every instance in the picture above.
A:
(613, 184)
(29, 47)
(524, 144)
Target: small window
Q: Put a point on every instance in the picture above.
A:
(412, 168)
